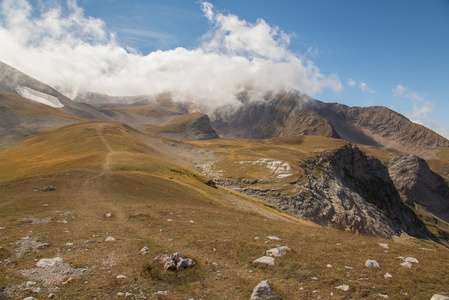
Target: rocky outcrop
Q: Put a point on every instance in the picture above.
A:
(202, 129)
(417, 184)
(347, 190)
(187, 127)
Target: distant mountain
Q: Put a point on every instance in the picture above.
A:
(157, 115)
(14, 82)
(287, 114)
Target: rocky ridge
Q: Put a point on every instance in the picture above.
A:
(346, 190)
(293, 113)
(417, 184)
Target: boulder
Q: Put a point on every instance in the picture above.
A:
(263, 290)
(343, 287)
(264, 260)
(439, 297)
(49, 262)
(279, 251)
(174, 262)
(370, 263)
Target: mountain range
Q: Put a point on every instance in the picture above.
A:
(286, 158)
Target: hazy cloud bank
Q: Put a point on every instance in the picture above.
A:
(62, 47)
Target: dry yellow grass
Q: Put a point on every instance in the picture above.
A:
(223, 231)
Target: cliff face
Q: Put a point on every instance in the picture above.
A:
(349, 191)
(417, 184)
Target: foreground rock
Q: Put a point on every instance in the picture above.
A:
(439, 297)
(279, 251)
(263, 291)
(264, 260)
(174, 262)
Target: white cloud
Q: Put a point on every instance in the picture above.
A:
(70, 51)
(403, 91)
(351, 82)
(423, 110)
(364, 87)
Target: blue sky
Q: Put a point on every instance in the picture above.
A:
(355, 52)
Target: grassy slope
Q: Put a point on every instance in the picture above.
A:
(102, 167)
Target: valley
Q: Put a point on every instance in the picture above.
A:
(84, 188)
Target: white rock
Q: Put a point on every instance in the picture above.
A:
(109, 239)
(343, 287)
(263, 290)
(329, 265)
(383, 296)
(279, 251)
(29, 284)
(370, 263)
(264, 260)
(2, 228)
(169, 220)
(109, 215)
(120, 294)
(121, 276)
(144, 250)
(161, 293)
(51, 296)
(406, 264)
(439, 297)
(48, 262)
(411, 260)
(128, 294)
(29, 298)
(273, 238)
(385, 246)
(387, 275)
(69, 244)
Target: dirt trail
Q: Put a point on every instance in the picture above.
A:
(108, 160)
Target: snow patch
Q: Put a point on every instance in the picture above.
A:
(37, 96)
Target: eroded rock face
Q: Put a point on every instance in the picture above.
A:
(349, 191)
(417, 184)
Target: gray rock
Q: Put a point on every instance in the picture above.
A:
(439, 297)
(264, 260)
(49, 188)
(144, 250)
(174, 262)
(49, 262)
(263, 290)
(343, 287)
(411, 260)
(406, 264)
(279, 251)
(370, 263)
